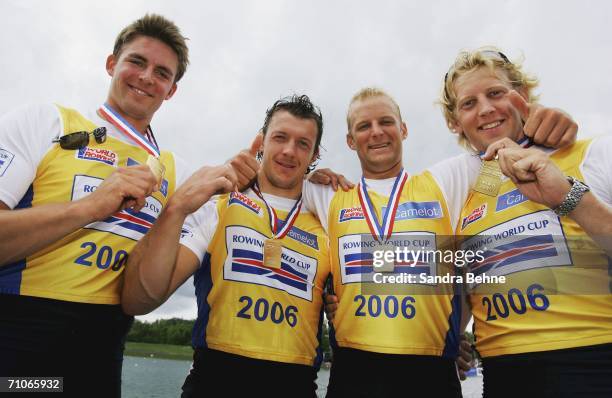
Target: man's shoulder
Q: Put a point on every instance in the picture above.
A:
(34, 112)
(454, 163)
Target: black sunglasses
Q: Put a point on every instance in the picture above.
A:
(80, 139)
(498, 55)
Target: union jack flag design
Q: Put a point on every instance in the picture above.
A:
(127, 223)
(530, 241)
(244, 263)
(363, 263)
(528, 248)
(357, 256)
(251, 262)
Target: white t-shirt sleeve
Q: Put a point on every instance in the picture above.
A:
(199, 229)
(597, 168)
(316, 199)
(455, 177)
(26, 135)
(183, 170)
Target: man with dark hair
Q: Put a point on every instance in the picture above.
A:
(258, 278)
(299, 106)
(76, 193)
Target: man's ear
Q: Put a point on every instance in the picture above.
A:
(315, 156)
(455, 127)
(171, 92)
(111, 61)
(350, 141)
(404, 130)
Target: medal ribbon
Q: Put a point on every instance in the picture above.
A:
(525, 142)
(279, 233)
(114, 118)
(383, 232)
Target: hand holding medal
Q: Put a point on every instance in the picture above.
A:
(157, 168)
(490, 178)
(148, 143)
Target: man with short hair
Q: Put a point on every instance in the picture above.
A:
(76, 193)
(401, 336)
(259, 262)
(413, 335)
(550, 322)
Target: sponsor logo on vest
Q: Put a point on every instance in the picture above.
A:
(351, 213)
(126, 223)
(105, 156)
(303, 237)
(244, 263)
(411, 210)
(5, 160)
(509, 199)
(243, 200)
(474, 216)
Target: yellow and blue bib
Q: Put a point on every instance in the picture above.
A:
(86, 265)
(373, 319)
(557, 289)
(247, 309)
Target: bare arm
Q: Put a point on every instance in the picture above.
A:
(541, 181)
(26, 231)
(158, 265)
(595, 217)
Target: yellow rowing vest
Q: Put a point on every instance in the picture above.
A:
(371, 316)
(253, 311)
(557, 289)
(86, 265)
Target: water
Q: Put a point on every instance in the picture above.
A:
(153, 377)
(163, 378)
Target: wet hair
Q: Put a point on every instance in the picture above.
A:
(162, 29)
(300, 107)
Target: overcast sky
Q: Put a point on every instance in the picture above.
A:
(246, 54)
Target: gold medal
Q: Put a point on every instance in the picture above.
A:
(490, 178)
(156, 167)
(272, 253)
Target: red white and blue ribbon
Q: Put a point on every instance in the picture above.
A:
(382, 232)
(524, 142)
(280, 228)
(113, 117)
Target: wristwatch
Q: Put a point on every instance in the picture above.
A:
(572, 198)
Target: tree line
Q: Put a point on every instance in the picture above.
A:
(178, 332)
(163, 331)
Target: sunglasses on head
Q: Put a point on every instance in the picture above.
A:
(80, 139)
(497, 55)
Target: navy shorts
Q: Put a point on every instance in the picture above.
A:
(83, 343)
(217, 373)
(584, 372)
(357, 373)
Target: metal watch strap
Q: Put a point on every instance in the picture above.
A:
(572, 198)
